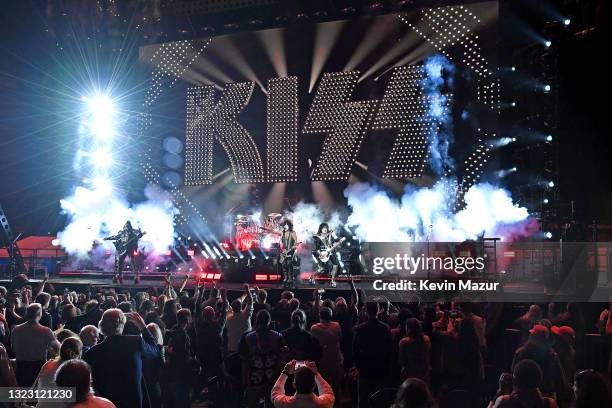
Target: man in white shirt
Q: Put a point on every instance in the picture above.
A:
(304, 380)
(239, 319)
(30, 342)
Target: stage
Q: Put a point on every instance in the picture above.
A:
(366, 285)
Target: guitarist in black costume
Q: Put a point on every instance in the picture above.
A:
(325, 243)
(288, 245)
(126, 242)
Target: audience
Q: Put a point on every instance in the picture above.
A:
(351, 352)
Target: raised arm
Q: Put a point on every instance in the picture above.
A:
(41, 287)
(247, 311)
(326, 394)
(354, 296)
(183, 284)
(223, 311)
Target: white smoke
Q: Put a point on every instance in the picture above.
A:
(99, 212)
(306, 219)
(425, 214)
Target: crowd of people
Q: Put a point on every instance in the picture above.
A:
(176, 348)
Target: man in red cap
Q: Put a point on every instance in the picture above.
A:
(563, 344)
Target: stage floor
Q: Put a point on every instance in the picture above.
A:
(511, 291)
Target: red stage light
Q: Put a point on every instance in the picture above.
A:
(135, 253)
(274, 277)
(225, 245)
(190, 252)
(260, 277)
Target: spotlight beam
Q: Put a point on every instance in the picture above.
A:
(226, 49)
(371, 39)
(273, 43)
(405, 43)
(412, 58)
(325, 37)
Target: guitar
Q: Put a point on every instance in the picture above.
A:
(123, 246)
(287, 253)
(324, 254)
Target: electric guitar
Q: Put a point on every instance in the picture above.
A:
(287, 252)
(325, 254)
(123, 246)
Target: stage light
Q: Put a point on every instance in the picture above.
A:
(504, 141)
(513, 104)
(551, 184)
(546, 88)
(545, 201)
(513, 69)
(567, 22)
(548, 234)
(549, 138)
(504, 173)
(102, 110)
(101, 158)
(548, 43)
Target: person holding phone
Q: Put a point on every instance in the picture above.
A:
(305, 378)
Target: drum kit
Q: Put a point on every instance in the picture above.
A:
(248, 230)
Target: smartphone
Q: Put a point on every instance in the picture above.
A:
(299, 364)
(253, 293)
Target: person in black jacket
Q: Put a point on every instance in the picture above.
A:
(302, 346)
(371, 342)
(209, 326)
(116, 362)
(181, 366)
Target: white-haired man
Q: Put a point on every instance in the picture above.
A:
(116, 362)
(30, 342)
(89, 336)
